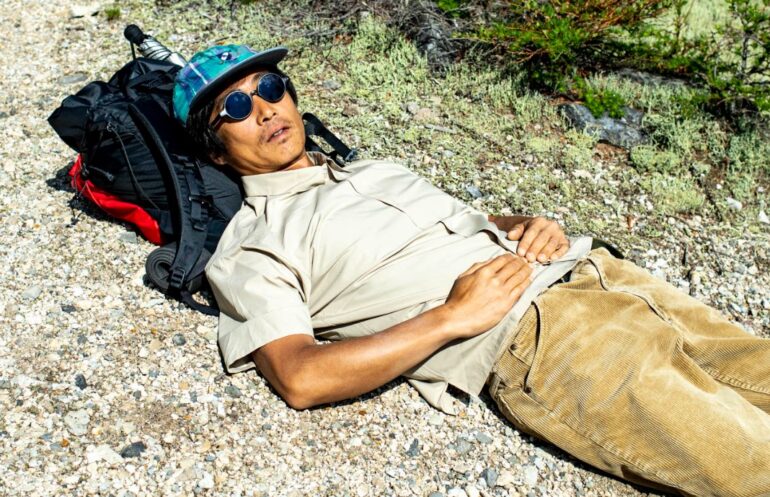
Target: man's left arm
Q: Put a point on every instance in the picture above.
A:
(540, 239)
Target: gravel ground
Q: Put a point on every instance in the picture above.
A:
(106, 388)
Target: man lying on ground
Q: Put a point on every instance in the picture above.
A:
(579, 348)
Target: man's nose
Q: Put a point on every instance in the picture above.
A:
(263, 110)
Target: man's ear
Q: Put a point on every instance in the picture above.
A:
(217, 159)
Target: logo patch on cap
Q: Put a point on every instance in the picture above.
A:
(225, 56)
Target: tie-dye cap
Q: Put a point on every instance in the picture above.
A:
(212, 70)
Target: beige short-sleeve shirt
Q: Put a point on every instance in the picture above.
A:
(338, 253)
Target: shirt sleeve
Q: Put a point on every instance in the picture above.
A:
(260, 300)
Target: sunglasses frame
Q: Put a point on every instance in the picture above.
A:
(224, 114)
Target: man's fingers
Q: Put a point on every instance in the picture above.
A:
(516, 232)
(518, 275)
(561, 250)
(536, 249)
(529, 236)
(472, 269)
(547, 252)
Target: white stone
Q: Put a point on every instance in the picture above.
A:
(102, 452)
(85, 10)
(456, 492)
(77, 422)
(530, 475)
(734, 204)
(763, 218)
(207, 481)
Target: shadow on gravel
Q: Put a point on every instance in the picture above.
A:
(560, 454)
(80, 206)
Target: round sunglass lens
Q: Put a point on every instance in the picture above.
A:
(271, 87)
(238, 105)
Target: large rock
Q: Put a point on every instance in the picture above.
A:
(625, 132)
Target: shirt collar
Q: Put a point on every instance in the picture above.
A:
(292, 181)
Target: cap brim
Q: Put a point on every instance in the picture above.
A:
(270, 57)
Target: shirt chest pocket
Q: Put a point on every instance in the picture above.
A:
(423, 203)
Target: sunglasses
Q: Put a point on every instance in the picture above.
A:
(238, 104)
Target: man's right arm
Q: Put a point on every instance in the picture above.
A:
(307, 374)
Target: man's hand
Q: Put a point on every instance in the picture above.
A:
(540, 239)
(483, 294)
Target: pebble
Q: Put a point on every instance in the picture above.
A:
(179, 339)
(472, 491)
(530, 475)
(133, 450)
(128, 237)
(414, 448)
(490, 476)
(413, 108)
(474, 191)
(483, 438)
(462, 446)
(84, 10)
(330, 84)
(71, 79)
(102, 452)
(80, 381)
(734, 204)
(77, 422)
(436, 419)
(233, 391)
(31, 293)
(207, 482)
(762, 217)
(456, 492)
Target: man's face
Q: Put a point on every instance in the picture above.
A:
(270, 139)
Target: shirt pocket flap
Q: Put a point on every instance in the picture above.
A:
(413, 195)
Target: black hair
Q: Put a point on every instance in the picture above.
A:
(201, 132)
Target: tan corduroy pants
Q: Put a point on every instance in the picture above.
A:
(634, 377)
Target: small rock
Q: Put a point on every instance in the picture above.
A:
(330, 84)
(102, 452)
(350, 110)
(128, 237)
(179, 339)
(414, 448)
(483, 438)
(472, 491)
(77, 422)
(456, 492)
(80, 381)
(448, 154)
(71, 79)
(82, 339)
(436, 419)
(133, 450)
(490, 476)
(530, 475)
(473, 191)
(233, 391)
(424, 114)
(155, 345)
(84, 10)
(31, 293)
(435, 494)
(762, 217)
(733, 204)
(207, 481)
(210, 457)
(462, 446)
(413, 108)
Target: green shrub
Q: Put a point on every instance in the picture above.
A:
(672, 195)
(112, 12)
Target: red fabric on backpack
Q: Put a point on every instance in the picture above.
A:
(114, 206)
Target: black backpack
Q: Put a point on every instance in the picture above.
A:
(132, 147)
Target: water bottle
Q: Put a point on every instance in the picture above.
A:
(151, 48)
